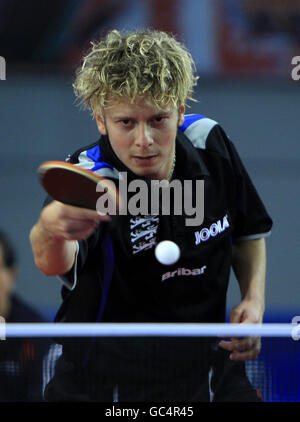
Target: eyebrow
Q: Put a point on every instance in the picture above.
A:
(125, 116)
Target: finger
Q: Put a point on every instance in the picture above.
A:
(238, 345)
(246, 349)
(78, 235)
(78, 213)
(103, 217)
(244, 344)
(229, 345)
(76, 230)
(245, 355)
(236, 315)
(73, 225)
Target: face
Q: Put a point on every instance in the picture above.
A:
(142, 136)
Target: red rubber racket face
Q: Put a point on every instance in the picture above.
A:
(74, 185)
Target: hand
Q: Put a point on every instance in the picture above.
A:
(68, 222)
(247, 348)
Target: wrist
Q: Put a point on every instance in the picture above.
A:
(257, 305)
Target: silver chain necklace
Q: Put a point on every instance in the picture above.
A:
(172, 168)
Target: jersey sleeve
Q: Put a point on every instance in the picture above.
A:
(252, 220)
(83, 248)
(88, 157)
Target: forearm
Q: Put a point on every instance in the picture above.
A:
(249, 265)
(54, 237)
(52, 255)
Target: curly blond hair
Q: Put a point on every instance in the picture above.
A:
(146, 63)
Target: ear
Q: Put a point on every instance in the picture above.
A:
(181, 114)
(100, 124)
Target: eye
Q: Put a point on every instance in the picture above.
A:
(126, 122)
(159, 119)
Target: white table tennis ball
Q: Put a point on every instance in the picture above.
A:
(167, 252)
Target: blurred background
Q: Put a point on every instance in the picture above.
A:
(243, 50)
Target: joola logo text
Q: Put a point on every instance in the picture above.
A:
(183, 272)
(215, 229)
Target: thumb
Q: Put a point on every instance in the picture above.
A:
(237, 315)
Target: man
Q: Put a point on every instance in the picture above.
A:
(137, 85)
(20, 358)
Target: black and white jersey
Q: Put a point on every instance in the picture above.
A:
(116, 278)
(126, 282)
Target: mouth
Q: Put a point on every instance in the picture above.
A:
(144, 160)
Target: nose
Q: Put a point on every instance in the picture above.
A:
(143, 137)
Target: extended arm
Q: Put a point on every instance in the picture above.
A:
(53, 238)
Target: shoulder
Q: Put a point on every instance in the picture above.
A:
(197, 128)
(90, 158)
(206, 134)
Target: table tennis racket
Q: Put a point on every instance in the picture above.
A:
(73, 185)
